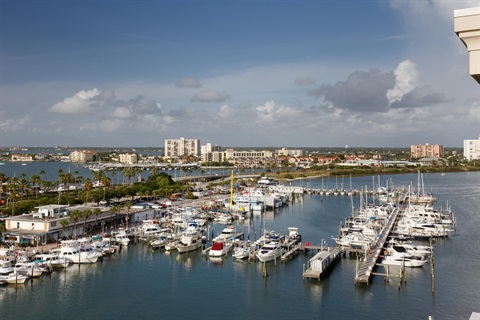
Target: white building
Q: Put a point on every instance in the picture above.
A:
(182, 147)
(471, 149)
(467, 27)
(128, 158)
(289, 152)
(81, 156)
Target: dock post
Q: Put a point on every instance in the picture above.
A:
(265, 273)
(432, 272)
(387, 275)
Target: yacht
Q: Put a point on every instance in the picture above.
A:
(70, 249)
(12, 278)
(245, 249)
(219, 249)
(270, 251)
(191, 240)
(228, 234)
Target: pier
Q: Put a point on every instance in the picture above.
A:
(363, 274)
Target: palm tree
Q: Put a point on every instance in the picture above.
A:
(153, 170)
(42, 172)
(64, 224)
(86, 214)
(75, 216)
(35, 180)
(88, 187)
(97, 212)
(113, 210)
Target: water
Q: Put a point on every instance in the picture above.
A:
(140, 283)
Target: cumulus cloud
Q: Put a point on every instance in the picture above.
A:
(270, 114)
(420, 97)
(142, 105)
(406, 79)
(225, 112)
(362, 91)
(189, 82)
(83, 102)
(210, 96)
(121, 113)
(304, 81)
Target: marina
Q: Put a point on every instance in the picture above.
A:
(315, 257)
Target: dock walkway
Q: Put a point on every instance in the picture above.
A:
(371, 258)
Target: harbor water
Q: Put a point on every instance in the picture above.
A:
(140, 283)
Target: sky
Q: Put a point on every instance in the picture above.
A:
(244, 73)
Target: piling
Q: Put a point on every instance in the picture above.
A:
(265, 273)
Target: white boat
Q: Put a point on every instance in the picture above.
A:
(122, 237)
(219, 249)
(28, 269)
(245, 249)
(228, 234)
(270, 251)
(191, 240)
(86, 247)
(70, 249)
(12, 278)
(293, 236)
(53, 260)
(5, 267)
(404, 260)
(171, 245)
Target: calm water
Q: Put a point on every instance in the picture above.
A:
(140, 283)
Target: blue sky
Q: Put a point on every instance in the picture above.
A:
(234, 73)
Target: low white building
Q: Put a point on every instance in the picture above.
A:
(471, 149)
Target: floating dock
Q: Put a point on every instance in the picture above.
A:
(321, 262)
(363, 274)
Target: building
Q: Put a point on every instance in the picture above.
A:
(182, 147)
(467, 28)
(81, 156)
(249, 158)
(426, 150)
(289, 152)
(16, 157)
(210, 153)
(471, 149)
(128, 158)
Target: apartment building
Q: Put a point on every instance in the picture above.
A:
(128, 158)
(471, 149)
(426, 150)
(81, 156)
(182, 147)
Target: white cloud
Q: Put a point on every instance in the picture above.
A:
(83, 102)
(406, 79)
(121, 113)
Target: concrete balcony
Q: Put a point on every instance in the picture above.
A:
(467, 28)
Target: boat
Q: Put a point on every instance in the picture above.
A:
(5, 267)
(122, 237)
(270, 251)
(293, 236)
(228, 234)
(191, 240)
(70, 250)
(220, 248)
(407, 260)
(53, 260)
(85, 245)
(245, 249)
(12, 278)
(28, 269)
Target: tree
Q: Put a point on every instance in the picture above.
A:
(88, 187)
(86, 214)
(75, 215)
(34, 179)
(97, 212)
(42, 172)
(64, 224)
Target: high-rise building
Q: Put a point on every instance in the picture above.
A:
(81, 156)
(426, 150)
(471, 149)
(182, 147)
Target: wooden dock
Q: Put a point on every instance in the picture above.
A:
(362, 275)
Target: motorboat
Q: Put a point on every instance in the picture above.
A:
(53, 260)
(122, 237)
(245, 249)
(5, 267)
(12, 278)
(85, 245)
(70, 249)
(220, 248)
(228, 234)
(270, 251)
(410, 261)
(293, 236)
(191, 240)
(28, 269)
